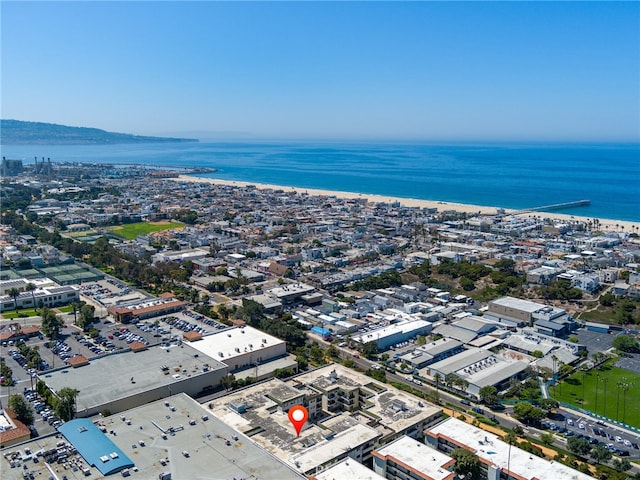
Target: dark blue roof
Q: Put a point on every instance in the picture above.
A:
(94, 446)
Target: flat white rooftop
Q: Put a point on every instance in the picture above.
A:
(233, 342)
(403, 327)
(395, 409)
(291, 289)
(519, 304)
(461, 360)
(348, 469)
(490, 448)
(419, 456)
(326, 450)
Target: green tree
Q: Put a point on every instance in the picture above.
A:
(87, 315)
(467, 464)
(5, 373)
(578, 446)
(527, 413)
(378, 374)
(333, 352)
(51, 323)
(252, 312)
(65, 407)
(505, 265)
(489, 395)
(622, 465)
(607, 299)
(625, 343)
(369, 349)
(547, 438)
(316, 354)
(228, 381)
(548, 404)
(466, 284)
(283, 372)
(511, 438)
(601, 454)
(22, 409)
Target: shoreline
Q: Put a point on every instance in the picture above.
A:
(607, 225)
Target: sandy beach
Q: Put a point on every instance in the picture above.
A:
(607, 225)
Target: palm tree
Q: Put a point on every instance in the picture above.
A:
(76, 307)
(30, 287)
(554, 359)
(510, 438)
(14, 293)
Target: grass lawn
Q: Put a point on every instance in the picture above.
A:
(66, 309)
(602, 395)
(131, 230)
(23, 312)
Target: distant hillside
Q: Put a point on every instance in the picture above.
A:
(17, 132)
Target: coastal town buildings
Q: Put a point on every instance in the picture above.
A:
(314, 261)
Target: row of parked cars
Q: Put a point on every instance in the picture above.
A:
(42, 408)
(183, 325)
(608, 440)
(98, 345)
(22, 361)
(128, 336)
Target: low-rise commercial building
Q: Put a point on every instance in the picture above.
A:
(46, 293)
(173, 438)
(409, 459)
(432, 352)
(12, 430)
(347, 469)
(395, 333)
(498, 460)
(128, 379)
(246, 348)
(145, 309)
(479, 368)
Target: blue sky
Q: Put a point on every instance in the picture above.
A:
(328, 70)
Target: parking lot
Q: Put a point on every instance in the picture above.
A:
(594, 341)
(630, 361)
(620, 442)
(107, 337)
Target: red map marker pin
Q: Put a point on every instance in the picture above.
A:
(298, 416)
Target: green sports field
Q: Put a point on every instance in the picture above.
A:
(131, 230)
(609, 391)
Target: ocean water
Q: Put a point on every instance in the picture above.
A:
(504, 175)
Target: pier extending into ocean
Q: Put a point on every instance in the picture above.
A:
(556, 206)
